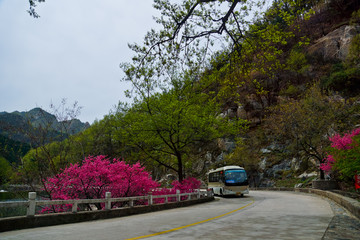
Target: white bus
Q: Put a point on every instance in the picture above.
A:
(228, 180)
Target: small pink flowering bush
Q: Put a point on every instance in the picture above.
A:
(344, 154)
(188, 185)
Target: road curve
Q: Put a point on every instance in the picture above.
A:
(260, 215)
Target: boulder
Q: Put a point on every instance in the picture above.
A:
(262, 163)
(296, 164)
(335, 45)
(266, 183)
(308, 175)
(277, 170)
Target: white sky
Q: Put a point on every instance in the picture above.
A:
(72, 51)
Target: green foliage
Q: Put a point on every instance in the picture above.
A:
(287, 183)
(12, 150)
(167, 128)
(291, 91)
(345, 79)
(355, 18)
(347, 161)
(51, 149)
(353, 58)
(291, 182)
(297, 64)
(245, 155)
(305, 125)
(5, 170)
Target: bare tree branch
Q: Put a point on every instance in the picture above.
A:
(32, 6)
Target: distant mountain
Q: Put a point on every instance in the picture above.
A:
(37, 127)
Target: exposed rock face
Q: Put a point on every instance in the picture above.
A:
(335, 45)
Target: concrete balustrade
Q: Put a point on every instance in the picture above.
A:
(41, 220)
(32, 202)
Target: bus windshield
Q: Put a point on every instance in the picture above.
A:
(235, 176)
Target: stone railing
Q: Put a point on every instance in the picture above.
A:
(31, 203)
(150, 203)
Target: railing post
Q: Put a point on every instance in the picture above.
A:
(210, 193)
(108, 201)
(131, 203)
(32, 204)
(74, 207)
(166, 199)
(150, 198)
(178, 198)
(198, 194)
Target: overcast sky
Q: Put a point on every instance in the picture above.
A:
(72, 51)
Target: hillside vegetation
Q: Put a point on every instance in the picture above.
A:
(269, 101)
(22, 131)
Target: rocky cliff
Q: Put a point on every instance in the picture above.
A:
(335, 45)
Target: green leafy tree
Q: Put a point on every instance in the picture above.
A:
(99, 139)
(168, 127)
(297, 64)
(305, 125)
(5, 170)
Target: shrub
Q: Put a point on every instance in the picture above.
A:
(97, 175)
(344, 154)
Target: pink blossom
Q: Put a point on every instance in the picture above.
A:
(97, 175)
(339, 142)
(327, 165)
(344, 142)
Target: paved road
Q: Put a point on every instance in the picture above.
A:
(260, 215)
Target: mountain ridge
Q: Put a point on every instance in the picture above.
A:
(19, 125)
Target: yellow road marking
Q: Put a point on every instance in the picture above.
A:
(192, 224)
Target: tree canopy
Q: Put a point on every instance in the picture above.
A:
(168, 127)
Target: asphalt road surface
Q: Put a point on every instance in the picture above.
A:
(259, 215)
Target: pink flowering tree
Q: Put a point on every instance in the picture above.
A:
(344, 154)
(97, 175)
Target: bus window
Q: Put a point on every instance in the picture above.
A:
(235, 176)
(216, 176)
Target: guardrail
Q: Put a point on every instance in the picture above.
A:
(32, 202)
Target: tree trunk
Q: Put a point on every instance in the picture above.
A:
(322, 174)
(180, 167)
